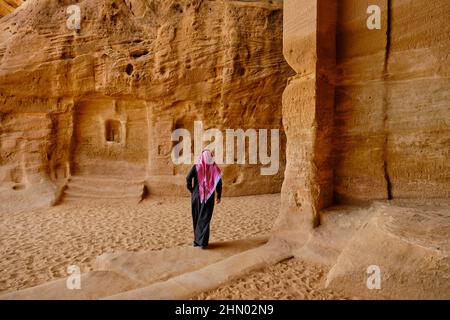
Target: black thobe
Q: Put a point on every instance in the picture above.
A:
(201, 212)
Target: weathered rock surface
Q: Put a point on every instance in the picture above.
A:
(365, 117)
(8, 6)
(392, 102)
(165, 264)
(187, 285)
(104, 100)
(408, 243)
(389, 118)
(368, 120)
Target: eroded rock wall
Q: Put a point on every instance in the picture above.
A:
(389, 128)
(392, 102)
(308, 101)
(391, 108)
(148, 67)
(8, 6)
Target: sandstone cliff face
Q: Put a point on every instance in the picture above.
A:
(8, 6)
(381, 95)
(137, 69)
(367, 118)
(392, 102)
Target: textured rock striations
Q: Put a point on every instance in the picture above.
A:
(7, 6)
(104, 100)
(390, 110)
(365, 120)
(366, 117)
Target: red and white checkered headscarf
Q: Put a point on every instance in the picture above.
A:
(208, 174)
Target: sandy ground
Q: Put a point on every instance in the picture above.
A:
(288, 280)
(37, 245)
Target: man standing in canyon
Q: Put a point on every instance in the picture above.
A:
(203, 181)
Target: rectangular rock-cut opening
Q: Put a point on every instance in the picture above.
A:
(112, 131)
(110, 138)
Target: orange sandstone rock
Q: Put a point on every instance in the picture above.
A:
(103, 100)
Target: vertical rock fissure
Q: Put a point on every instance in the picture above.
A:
(386, 100)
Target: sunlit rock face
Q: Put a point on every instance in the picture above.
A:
(8, 6)
(366, 119)
(104, 99)
(365, 116)
(392, 102)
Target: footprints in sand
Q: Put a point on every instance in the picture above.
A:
(36, 246)
(291, 279)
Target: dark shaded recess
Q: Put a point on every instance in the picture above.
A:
(139, 53)
(385, 107)
(129, 69)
